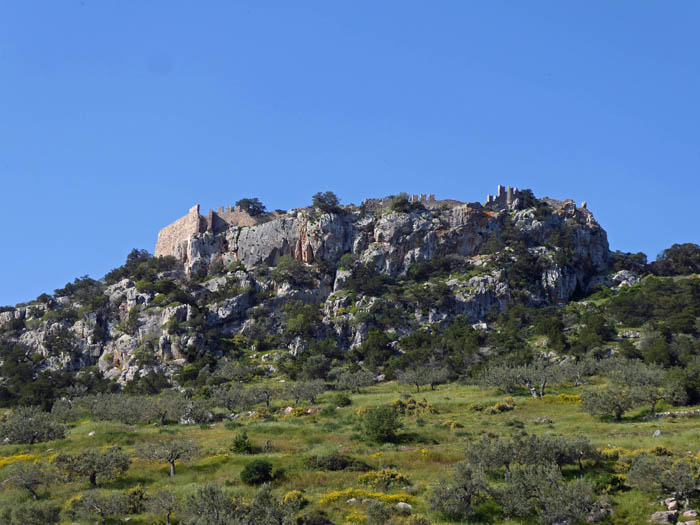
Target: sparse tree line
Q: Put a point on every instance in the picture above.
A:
(209, 504)
(630, 383)
(96, 467)
(31, 424)
(545, 477)
(527, 475)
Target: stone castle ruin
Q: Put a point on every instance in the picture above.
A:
(172, 237)
(423, 198)
(175, 238)
(505, 198)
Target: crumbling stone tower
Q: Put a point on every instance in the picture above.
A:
(506, 198)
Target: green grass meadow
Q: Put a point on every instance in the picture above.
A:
(430, 444)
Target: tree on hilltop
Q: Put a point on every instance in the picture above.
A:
(679, 259)
(252, 206)
(327, 202)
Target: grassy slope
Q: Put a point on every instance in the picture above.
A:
(293, 440)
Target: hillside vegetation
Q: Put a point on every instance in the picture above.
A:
(461, 365)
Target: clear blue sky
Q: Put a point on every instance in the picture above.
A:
(117, 116)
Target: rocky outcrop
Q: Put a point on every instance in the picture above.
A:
(141, 327)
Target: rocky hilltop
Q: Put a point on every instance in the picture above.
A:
(313, 276)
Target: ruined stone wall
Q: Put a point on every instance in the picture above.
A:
(227, 216)
(505, 198)
(173, 235)
(426, 199)
(172, 240)
(422, 198)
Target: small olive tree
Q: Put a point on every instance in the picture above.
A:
(230, 397)
(29, 425)
(454, 497)
(535, 377)
(209, 505)
(309, 390)
(266, 509)
(100, 506)
(661, 475)
(412, 376)
(355, 380)
(169, 451)
(93, 465)
(612, 401)
(492, 454)
(117, 407)
(34, 513)
(648, 383)
(28, 476)
(168, 406)
(541, 490)
(162, 502)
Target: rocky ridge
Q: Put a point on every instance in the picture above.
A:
(251, 281)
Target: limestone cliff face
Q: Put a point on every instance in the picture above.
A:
(226, 282)
(390, 241)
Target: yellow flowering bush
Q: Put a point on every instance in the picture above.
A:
(562, 399)
(263, 413)
(295, 412)
(295, 496)
(214, 458)
(569, 399)
(413, 407)
(362, 411)
(355, 517)
(384, 478)
(452, 424)
(611, 454)
(435, 456)
(502, 406)
(658, 450)
(343, 495)
(19, 457)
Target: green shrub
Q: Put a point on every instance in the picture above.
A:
(401, 204)
(380, 424)
(340, 400)
(293, 272)
(257, 472)
(347, 261)
(242, 445)
(378, 513)
(336, 462)
(328, 411)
